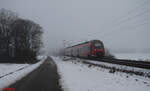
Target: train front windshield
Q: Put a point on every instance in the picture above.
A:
(98, 45)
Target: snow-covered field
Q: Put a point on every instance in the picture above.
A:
(10, 73)
(6, 68)
(134, 56)
(76, 76)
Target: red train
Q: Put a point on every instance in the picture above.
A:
(94, 48)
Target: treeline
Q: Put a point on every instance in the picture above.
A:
(19, 38)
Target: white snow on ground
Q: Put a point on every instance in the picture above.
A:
(17, 75)
(122, 67)
(80, 77)
(134, 56)
(6, 68)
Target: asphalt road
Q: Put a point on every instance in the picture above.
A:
(44, 78)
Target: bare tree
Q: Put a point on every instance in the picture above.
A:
(27, 36)
(19, 38)
(6, 18)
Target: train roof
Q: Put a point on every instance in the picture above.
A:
(84, 43)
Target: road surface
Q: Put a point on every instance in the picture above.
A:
(44, 78)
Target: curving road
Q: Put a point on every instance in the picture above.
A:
(44, 78)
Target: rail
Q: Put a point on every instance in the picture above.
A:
(133, 63)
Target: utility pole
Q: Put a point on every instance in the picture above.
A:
(64, 43)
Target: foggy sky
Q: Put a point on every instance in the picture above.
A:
(118, 23)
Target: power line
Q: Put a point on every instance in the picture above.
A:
(131, 11)
(104, 34)
(129, 18)
(132, 27)
(133, 17)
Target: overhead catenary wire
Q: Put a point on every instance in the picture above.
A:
(143, 22)
(130, 27)
(129, 18)
(132, 11)
(133, 17)
(124, 19)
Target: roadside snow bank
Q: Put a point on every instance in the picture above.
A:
(15, 73)
(76, 76)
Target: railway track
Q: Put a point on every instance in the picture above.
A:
(132, 63)
(129, 63)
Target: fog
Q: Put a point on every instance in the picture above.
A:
(120, 24)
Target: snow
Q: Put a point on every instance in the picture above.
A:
(134, 56)
(76, 76)
(10, 73)
(6, 68)
(121, 67)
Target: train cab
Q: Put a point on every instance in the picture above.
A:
(97, 48)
